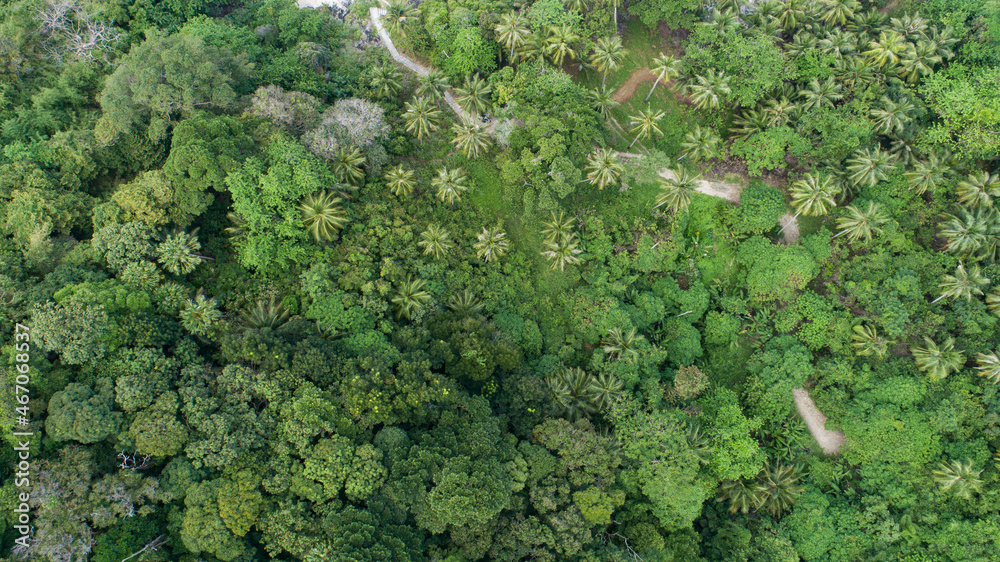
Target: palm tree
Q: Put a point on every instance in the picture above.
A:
(802, 43)
(385, 80)
(724, 22)
(491, 244)
(604, 390)
(868, 23)
(615, 4)
(887, 49)
(237, 231)
(603, 168)
(792, 12)
(749, 123)
(474, 95)
(322, 215)
(839, 11)
(265, 315)
(867, 343)
(926, 175)
(918, 60)
(421, 117)
(910, 25)
(602, 100)
(821, 94)
(854, 72)
(559, 226)
(399, 180)
(707, 91)
(978, 189)
(858, 224)
(450, 184)
(676, 192)
(868, 167)
(558, 45)
(963, 285)
(471, 138)
(893, 117)
(666, 68)
(435, 241)
(620, 344)
(813, 195)
(742, 495)
(777, 489)
(959, 477)
(839, 43)
(966, 232)
(398, 13)
(347, 162)
(571, 392)
(988, 365)
(700, 144)
(410, 297)
(532, 48)
(608, 55)
(645, 124)
(179, 252)
(780, 111)
(512, 31)
(464, 303)
(433, 85)
(938, 362)
(993, 302)
(562, 251)
(199, 315)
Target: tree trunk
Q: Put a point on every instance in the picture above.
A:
(790, 222)
(655, 82)
(603, 80)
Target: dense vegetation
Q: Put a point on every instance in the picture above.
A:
(286, 303)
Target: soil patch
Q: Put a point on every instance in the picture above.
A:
(791, 231)
(626, 90)
(830, 441)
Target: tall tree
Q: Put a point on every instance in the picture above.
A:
(512, 31)
(450, 183)
(474, 95)
(608, 56)
(645, 124)
(603, 168)
(964, 284)
(860, 224)
(666, 68)
(421, 117)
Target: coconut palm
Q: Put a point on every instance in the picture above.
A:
(645, 124)
(474, 95)
(347, 162)
(892, 117)
(988, 365)
(558, 45)
(471, 138)
(820, 94)
(421, 117)
(491, 244)
(179, 252)
(777, 488)
(450, 183)
(813, 195)
(533, 48)
(604, 390)
(558, 226)
(265, 315)
(966, 232)
(608, 55)
(707, 91)
(802, 43)
(938, 362)
(410, 297)
(199, 315)
(839, 11)
(398, 13)
(237, 231)
(435, 241)
(926, 175)
(742, 494)
(385, 80)
(322, 215)
(432, 85)
(978, 189)
(958, 477)
(780, 111)
(700, 144)
(858, 224)
(910, 25)
(512, 31)
(749, 123)
(868, 23)
(791, 13)
(963, 284)
(464, 303)
(399, 180)
(887, 49)
(867, 167)
(838, 42)
(620, 344)
(666, 68)
(867, 343)
(602, 100)
(676, 192)
(724, 22)
(571, 392)
(562, 251)
(918, 60)
(603, 167)
(854, 72)
(993, 302)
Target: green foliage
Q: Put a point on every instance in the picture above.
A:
(203, 528)
(768, 149)
(82, 414)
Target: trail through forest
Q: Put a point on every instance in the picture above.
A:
(627, 90)
(830, 441)
(727, 191)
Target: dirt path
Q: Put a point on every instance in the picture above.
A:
(627, 90)
(792, 232)
(830, 441)
(376, 14)
(727, 191)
